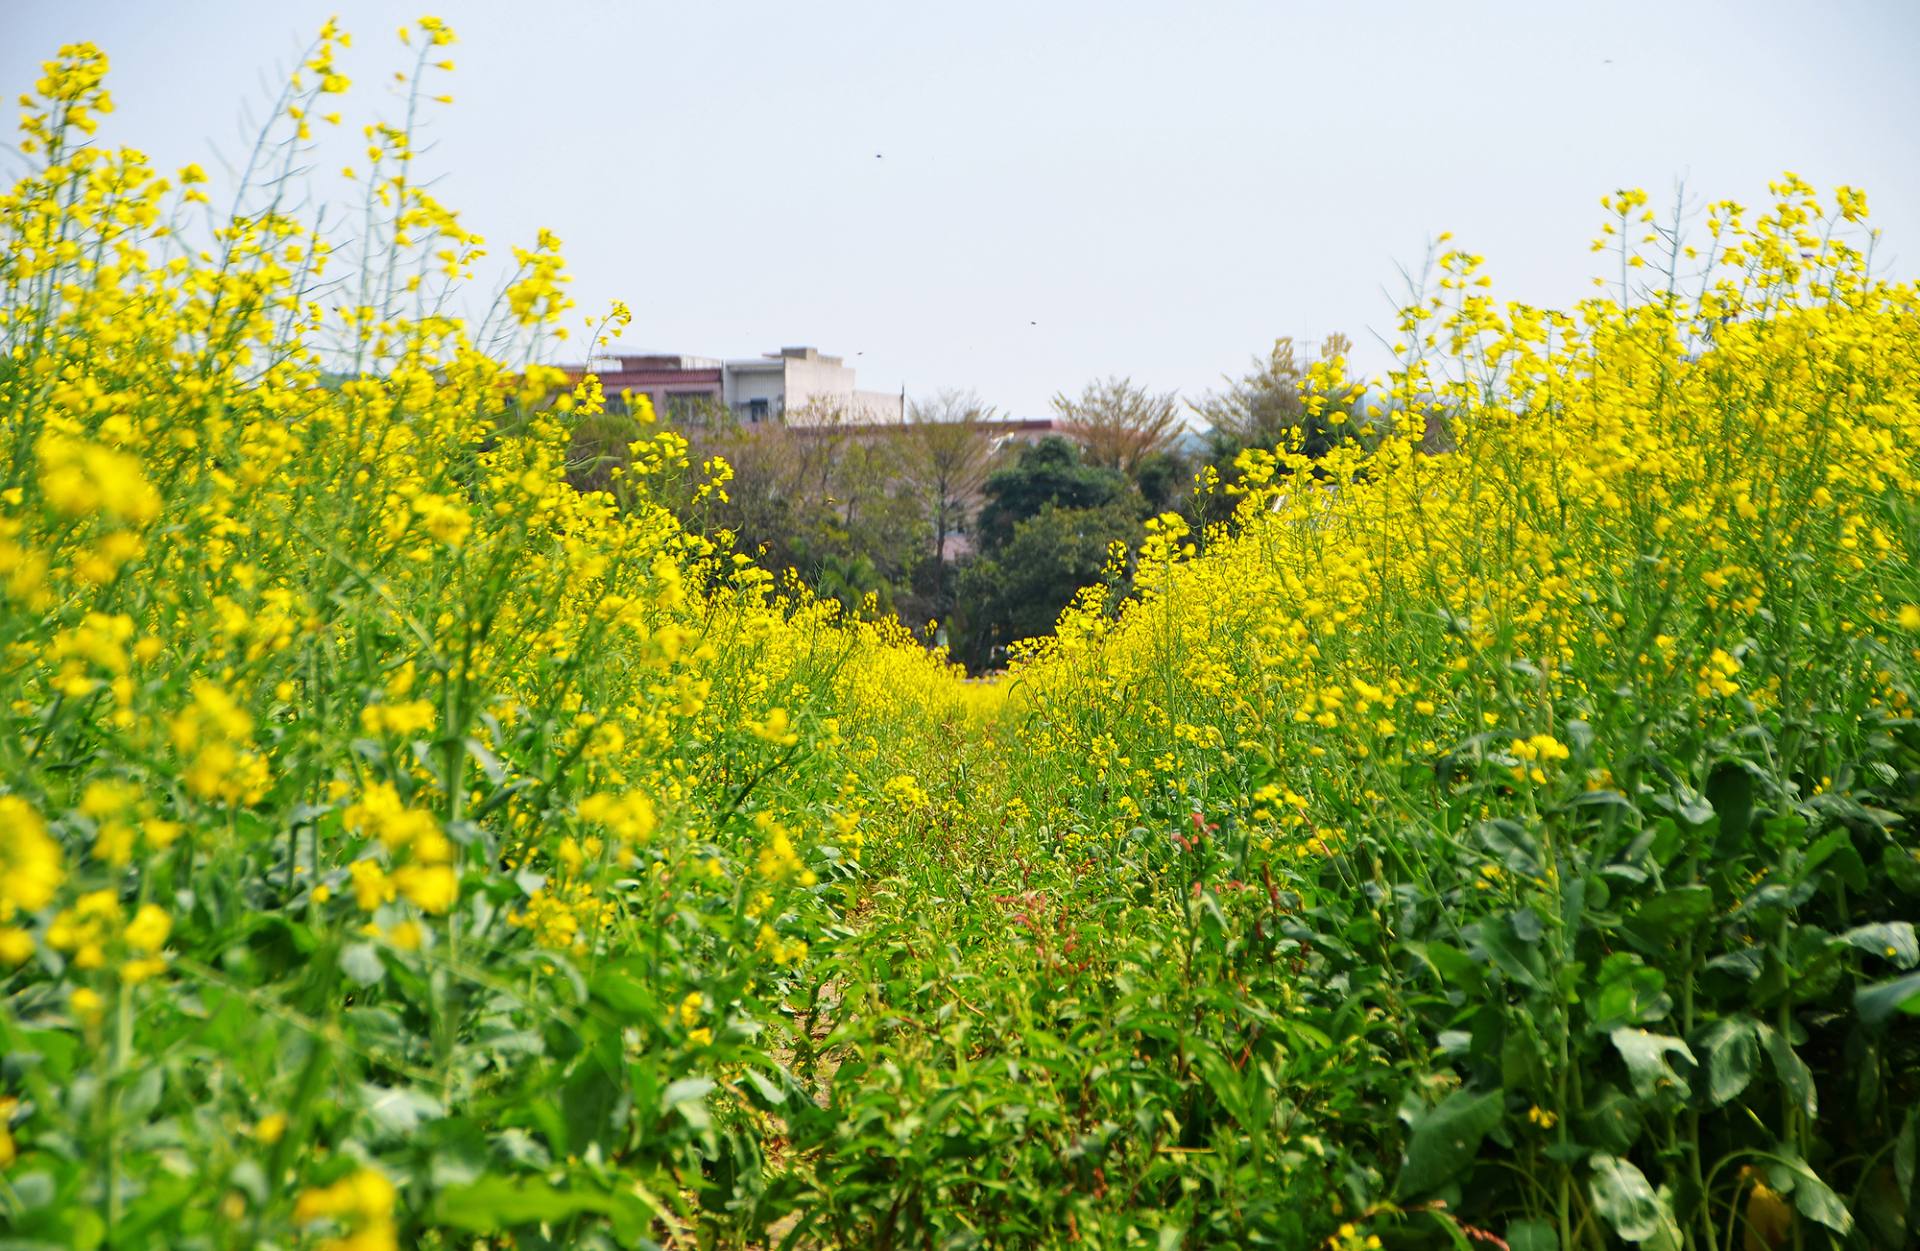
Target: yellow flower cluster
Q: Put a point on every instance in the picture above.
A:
(1701, 464)
(359, 1204)
(304, 628)
(96, 928)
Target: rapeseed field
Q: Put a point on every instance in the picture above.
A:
(1510, 845)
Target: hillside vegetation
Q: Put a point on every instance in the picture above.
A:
(1514, 846)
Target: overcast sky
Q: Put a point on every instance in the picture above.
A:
(1021, 196)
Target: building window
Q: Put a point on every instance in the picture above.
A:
(756, 410)
(689, 407)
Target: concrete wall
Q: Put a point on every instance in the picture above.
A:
(747, 381)
(814, 379)
(879, 407)
(801, 386)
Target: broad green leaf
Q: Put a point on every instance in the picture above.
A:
(1791, 1069)
(1455, 967)
(1823, 848)
(1646, 1056)
(1691, 806)
(767, 1089)
(1815, 1199)
(1603, 798)
(1890, 940)
(1630, 994)
(1745, 964)
(1613, 1122)
(1733, 1053)
(1623, 1197)
(1533, 1235)
(496, 1203)
(362, 964)
(1671, 913)
(688, 1097)
(1445, 1138)
(626, 993)
(1730, 791)
(1512, 845)
(1519, 960)
(1902, 868)
(1877, 1003)
(397, 1111)
(1906, 1153)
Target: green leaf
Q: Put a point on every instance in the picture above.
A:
(1512, 845)
(688, 1097)
(1506, 951)
(1533, 1235)
(397, 1111)
(1793, 1072)
(1877, 1003)
(1613, 1122)
(497, 1203)
(361, 963)
(1450, 1227)
(1902, 868)
(767, 1089)
(622, 987)
(687, 1090)
(1445, 1138)
(1733, 1053)
(1890, 940)
(1671, 913)
(1630, 994)
(1822, 849)
(1455, 967)
(1906, 1153)
(1646, 1056)
(1624, 1199)
(1730, 791)
(1815, 1199)
(1817, 1202)
(1691, 806)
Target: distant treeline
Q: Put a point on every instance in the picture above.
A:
(970, 535)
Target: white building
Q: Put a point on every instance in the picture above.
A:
(794, 386)
(799, 386)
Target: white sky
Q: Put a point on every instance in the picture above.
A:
(1063, 190)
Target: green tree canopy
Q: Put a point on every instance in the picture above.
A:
(1048, 472)
(1019, 590)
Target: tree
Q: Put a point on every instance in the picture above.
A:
(1164, 480)
(825, 498)
(946, 455)
(1043, 533)
(1117, 424)
(1048, 472)
(1267, 408)
(1020, 589)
